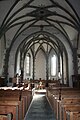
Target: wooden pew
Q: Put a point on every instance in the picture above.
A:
(73, 115)
(10, 94)
(72, 108)
(66, 101)
(27, 94)
(24, 96)
(11, 100)
(13, 107)
(57, 94)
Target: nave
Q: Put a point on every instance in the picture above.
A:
(40, 109)
(55, 102)
(39, 49)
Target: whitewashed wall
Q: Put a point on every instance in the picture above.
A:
(40, 66)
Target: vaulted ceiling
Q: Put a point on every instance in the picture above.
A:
(56, 20)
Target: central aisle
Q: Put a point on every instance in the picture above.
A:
(40, 109)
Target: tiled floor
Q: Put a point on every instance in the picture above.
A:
(40, 109)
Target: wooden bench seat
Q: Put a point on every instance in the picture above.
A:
(13, 107)
(22, 98)
(18, 95)
(28, 95)
(56, 95)
(73, 115)
(71, 108)
(13, 96)
(66, 101)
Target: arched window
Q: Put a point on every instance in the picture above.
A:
(28, 64)
(53, 65)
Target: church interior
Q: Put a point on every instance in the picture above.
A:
(39, 60)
